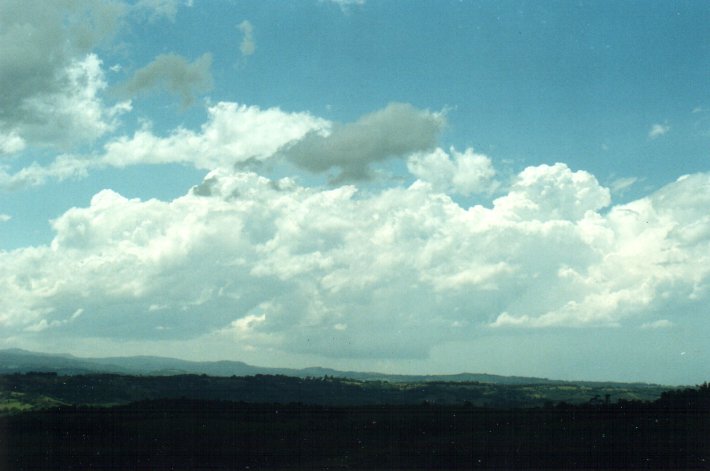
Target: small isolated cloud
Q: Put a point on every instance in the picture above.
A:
(620, 185)
(658, 130)
(5, 217)
(344, 4)
(659, 324)
(248, 46)
(156, 9)
(11, 142)
(173, 73)
(394, 131)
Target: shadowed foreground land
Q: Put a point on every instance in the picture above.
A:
(673, 432)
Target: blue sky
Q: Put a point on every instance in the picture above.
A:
(515, 187)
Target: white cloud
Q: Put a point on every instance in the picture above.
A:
(72, 115)
(659, 324)
(76, 113)
(553, 192)
(394, 131)
(5, 217)
(344, 4)
(620, 185)
(154, 10)
(233, 134)
(248, 45)
(50, 80)
(172, 73)
(11, 142)
(658, 130)
(274, 265)
(458, 172)
(238, 134)
(64, 167)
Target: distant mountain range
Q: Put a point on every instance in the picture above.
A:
(21, 361)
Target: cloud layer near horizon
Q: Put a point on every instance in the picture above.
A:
(390, 274)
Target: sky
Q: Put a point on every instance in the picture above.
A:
(508, 187)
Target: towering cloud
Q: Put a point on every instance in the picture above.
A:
(273, 265)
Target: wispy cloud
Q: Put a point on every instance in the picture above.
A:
(659, 324)
(620, 185)
(154, 10)
(346, 3)
(5, 217)
(658, 130)
(248, 45)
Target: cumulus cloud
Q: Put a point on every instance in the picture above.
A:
(658, 130)
(11, 142)
(549, 192)
(651, 255)
(394, 131)
(77, 113)
(233, 135)
(50, 79)
(274, 265)
(64, 167)
(172, 73)
(248, 45)
(456, 172)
